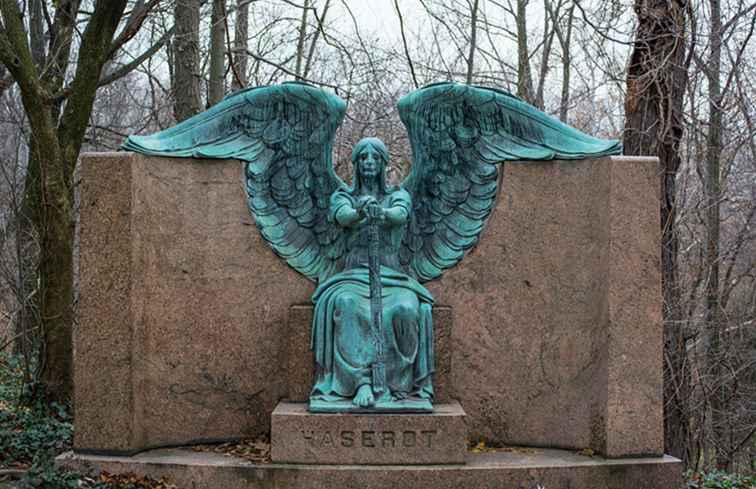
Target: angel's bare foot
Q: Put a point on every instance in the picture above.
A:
(364, 396)
(400, 396)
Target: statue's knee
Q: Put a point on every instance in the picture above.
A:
(346, 302)
(406, 311)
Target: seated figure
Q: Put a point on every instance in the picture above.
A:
(343, 335)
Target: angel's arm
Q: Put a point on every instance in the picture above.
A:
(398, 210)
(343, 211)
(347, 216)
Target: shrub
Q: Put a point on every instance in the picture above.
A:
(716, 479)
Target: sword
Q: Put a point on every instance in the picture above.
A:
(376, 307)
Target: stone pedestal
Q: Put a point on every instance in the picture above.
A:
(300, 437)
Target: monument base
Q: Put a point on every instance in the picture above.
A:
(301, 437)
(527, 469)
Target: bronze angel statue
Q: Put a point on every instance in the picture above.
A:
(370, 246)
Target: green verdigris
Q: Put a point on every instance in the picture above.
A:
(371, 245)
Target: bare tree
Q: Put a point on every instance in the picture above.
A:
(241, 34)
(217, 85)
(54, 147)
(301, 40)
(473, 43)
(654, 126)
(524, 77)
(186, 60)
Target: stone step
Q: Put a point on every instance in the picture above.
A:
(300, 437)
(526, 469)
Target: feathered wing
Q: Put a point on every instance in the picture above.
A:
(458, 134)
(284, 134)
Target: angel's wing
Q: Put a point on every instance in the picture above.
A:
(458, 133)
(284, 134)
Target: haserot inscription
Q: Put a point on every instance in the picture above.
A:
(370, 438)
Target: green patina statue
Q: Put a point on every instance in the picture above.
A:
(371, 245)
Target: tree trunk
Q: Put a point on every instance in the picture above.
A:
(56, 282)
(319, 31)
(301, 41)
(564, 103)
(36, 32)
(241, 32)
(54, 151)
(46, 211)
(473, 42)
(655, 89)
(216, 88)
(28, 326)
(524, 78)
(713, 320)
(186, 88)
(548, 39)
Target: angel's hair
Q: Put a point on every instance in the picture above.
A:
(377, 145)
(374, 143)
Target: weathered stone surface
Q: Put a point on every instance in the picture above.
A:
(560, 295)
(633, 416)
(104, 373)
(182, 306)
(300, 437)
(550, 469)
(184, 317)
(300, 360)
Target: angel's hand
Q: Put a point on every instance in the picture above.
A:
(363, 203)
(376, 213)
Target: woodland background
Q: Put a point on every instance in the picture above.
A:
(671, 78)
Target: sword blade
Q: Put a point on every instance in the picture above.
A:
(376, 307)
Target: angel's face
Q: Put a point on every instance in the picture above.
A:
(370, 162)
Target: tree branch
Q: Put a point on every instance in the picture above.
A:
(123, 70)
(133, 24)
(404, 43)
(291, 73)
(15, 52)
(93, 53)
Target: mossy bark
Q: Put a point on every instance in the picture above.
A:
(654, 126)
(48, 199)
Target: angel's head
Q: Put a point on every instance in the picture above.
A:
(369, 159)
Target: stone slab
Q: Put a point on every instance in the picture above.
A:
(104, 350)
(182, 306)
(184, 310)
(300, 437)
(300, 361)
(559, 307)
(549, 469)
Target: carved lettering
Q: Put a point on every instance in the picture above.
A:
(367, 439)
(327, 440)
(371, 439)
(429, 437)
(387, 439)
(347, 439)
(307, 435)
(408, 439)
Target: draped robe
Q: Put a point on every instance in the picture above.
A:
(342, 340)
